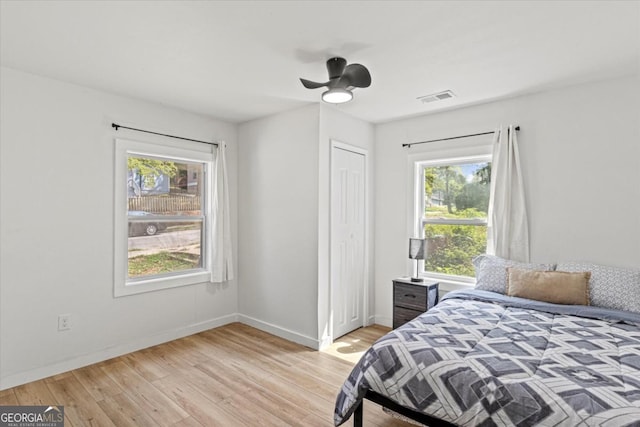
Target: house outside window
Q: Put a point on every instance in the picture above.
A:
(452, 201)
(162, 217)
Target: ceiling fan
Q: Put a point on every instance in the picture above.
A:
(343, 79)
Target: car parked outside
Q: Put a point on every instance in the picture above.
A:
(144, 228)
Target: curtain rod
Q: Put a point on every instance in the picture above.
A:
(117, 126)
(517, 128)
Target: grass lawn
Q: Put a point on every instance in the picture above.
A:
(162, 262)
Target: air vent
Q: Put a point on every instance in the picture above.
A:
(440, 96)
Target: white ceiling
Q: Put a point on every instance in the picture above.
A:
(241, 60)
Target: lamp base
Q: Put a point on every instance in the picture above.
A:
(417, 279)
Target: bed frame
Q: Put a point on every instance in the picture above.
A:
(390, 404)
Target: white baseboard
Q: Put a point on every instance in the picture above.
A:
(325, 342)
(280, 332)
(114, 351)
(384, 321)
(39, 373)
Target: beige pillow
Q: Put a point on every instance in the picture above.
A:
(558, 287)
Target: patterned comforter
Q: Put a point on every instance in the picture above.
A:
(483, 359)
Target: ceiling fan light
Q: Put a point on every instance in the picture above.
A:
(337, 96)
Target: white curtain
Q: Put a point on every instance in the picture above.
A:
(508, 231)
(222, 252)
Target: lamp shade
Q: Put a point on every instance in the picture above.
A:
(337, 96)
(418, 248)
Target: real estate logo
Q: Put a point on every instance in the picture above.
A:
(31, 416)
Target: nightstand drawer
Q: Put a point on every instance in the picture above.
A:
(403, 315)
(410, 299)
(409, 296)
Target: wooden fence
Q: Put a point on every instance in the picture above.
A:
(165, 204)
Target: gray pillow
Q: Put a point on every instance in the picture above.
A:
(491, 271)
(609, 287)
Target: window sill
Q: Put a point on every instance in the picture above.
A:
(450, 284)
(156, 284)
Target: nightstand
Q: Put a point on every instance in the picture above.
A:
(411, 299)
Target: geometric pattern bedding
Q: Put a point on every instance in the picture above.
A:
(477, 360)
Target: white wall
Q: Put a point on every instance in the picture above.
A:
(278, 217)
(56, 211)
(335, 125)
(284, 218)
(580, 150)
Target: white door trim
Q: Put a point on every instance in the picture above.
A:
(365, 294)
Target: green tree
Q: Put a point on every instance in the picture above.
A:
(449, 180)
(451, 248)
(483, 174)
(473, 195)
(149, 169)
(429, 180)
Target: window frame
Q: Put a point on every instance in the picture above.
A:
(123, 285)
(419, 218)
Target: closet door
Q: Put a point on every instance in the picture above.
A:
(347, 240)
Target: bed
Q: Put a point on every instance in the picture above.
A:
(485, 358)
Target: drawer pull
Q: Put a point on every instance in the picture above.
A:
(409, 295)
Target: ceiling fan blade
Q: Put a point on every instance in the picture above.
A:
(312, 85)
(355, 75)
(335, 67)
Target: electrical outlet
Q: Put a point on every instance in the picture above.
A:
(64, 322)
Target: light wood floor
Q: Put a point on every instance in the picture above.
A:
(229, 376)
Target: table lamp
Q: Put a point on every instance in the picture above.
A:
(417, 251)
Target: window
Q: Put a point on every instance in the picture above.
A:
(162, 217)
(452, 202)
